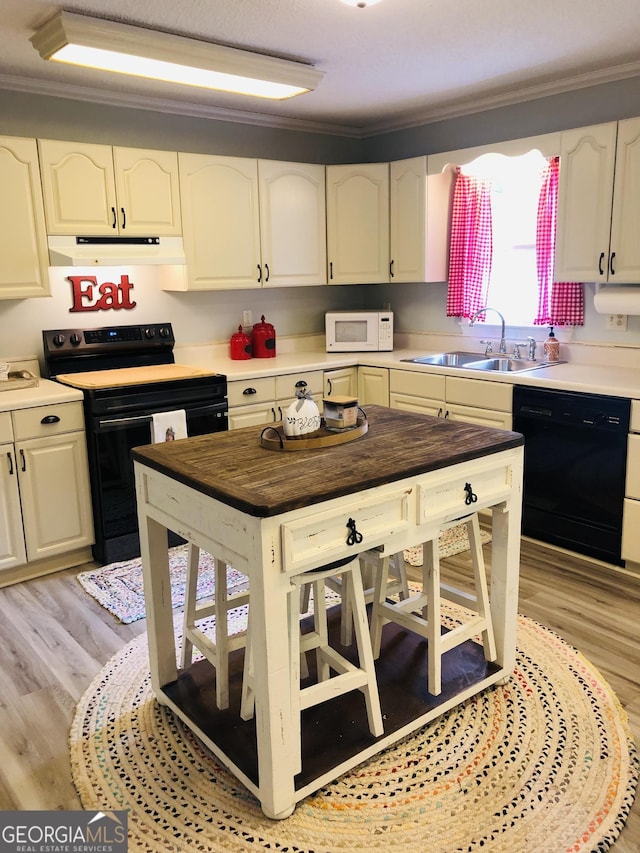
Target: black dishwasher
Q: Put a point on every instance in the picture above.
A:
(574, 468)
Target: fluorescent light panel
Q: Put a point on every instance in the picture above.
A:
(124, 49)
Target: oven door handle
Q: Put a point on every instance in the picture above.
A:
(111, 422)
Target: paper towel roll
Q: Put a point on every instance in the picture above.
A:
(167, 426)
(617, 299)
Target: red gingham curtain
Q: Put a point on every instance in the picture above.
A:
(471, 247)
(560, 303)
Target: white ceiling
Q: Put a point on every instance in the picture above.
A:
(397, 64)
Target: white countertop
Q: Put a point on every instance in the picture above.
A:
(619, 381)
(46, 393)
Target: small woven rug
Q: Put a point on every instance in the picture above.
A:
(543, 764)
(118, 587)
(452, 541)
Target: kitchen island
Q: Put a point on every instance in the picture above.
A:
(273, 515)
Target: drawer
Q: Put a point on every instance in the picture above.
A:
(634, 426)
(47, 420)
(251, 391)
(475, 392)
(417, 384)
(287, 385)
(442, 494)
(6, 429)
(320, 538)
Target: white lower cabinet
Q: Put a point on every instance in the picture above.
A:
(46, 499)
(264, 400)
(343, 381)
(474, 401)
(373, 385)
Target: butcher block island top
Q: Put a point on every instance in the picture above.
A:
(234, 468)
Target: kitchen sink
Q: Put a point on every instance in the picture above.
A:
(447, 359)
(475, 361)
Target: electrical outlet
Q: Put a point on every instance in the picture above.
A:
(617, 322)
(247, 319)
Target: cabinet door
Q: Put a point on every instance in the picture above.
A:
(587, 160)
(220, 221)
(624, 263)
(23, 241)
(416, 391)
(292, 223)
(254, 415)
(56, 500)
(79, 188)
(341, 382)
(358, 223)
(414, 403)
(482, 417)
(408, 219)
(12, 550)
(373, 385)
(148, 192)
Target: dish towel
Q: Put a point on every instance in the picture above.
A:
(168, 426)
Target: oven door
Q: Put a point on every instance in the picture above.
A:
(110, 440)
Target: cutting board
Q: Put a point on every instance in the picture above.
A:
(132, 376)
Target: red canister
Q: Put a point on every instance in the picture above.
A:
(240, 345)
(263, 340)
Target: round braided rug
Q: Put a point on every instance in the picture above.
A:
(543, 764)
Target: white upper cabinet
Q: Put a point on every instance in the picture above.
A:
(599, 204)
(358, 223)
(250, 223)
(292, 223)
(624, 261)
(419, 221)
(220, 215)
(408, 219)
(24, 270)
(98, 190)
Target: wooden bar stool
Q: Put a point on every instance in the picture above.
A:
(348, 676)
(215, 651)
(421, 612)
(370, 563)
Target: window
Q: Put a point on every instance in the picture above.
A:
(503, 239)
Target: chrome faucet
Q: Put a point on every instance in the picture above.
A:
(532, 348)
(503, 343)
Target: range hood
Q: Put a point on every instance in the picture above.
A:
(114, 251)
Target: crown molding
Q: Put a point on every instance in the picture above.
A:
(451, 110)
(507, 98)
(173, 107)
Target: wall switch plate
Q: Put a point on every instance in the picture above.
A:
(617, 322)
(247, 318)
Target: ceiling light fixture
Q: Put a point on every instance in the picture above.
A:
(361, 4)
(125, 49)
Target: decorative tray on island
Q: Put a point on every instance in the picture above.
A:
(273, 437)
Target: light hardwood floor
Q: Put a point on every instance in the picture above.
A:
(55, 638)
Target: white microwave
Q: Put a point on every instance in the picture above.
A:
(359, 331)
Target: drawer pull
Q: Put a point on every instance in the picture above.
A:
(354, 537)
(471, 498)
(300, 384)
(50, 419)
(23, 466)
(249, 391)
(10, 461)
